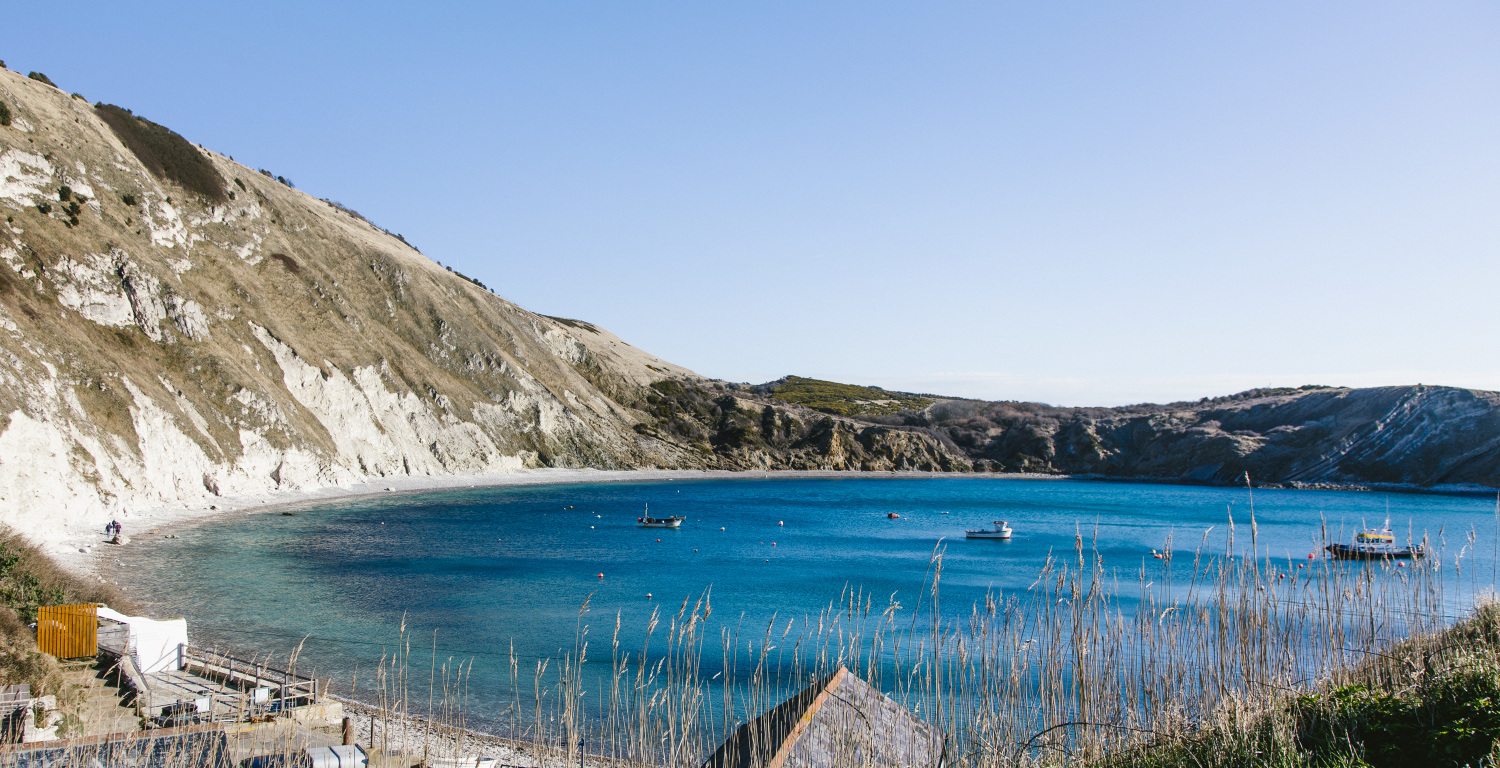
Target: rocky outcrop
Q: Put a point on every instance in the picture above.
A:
(732, 427)
(1420, 435)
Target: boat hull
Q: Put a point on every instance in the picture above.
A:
(1347, 552)
(986, 535)
(649, 522)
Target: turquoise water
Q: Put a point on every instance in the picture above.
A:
(485, 568)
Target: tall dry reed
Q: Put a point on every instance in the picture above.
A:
(1086, 663)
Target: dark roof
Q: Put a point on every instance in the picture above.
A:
(839, 720)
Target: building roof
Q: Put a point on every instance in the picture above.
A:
(840, 720)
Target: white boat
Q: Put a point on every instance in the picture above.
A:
(1000, 531)
(674, 521)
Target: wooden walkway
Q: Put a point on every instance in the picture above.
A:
(214, 687)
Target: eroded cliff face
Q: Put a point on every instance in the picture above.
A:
(169, 336)
(1421, 435)
(732, 427)
(163, 347)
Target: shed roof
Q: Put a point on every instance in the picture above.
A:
(840, 720)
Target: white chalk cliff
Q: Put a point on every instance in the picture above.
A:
(166, 345)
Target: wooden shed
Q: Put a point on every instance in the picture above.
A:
(837, 721)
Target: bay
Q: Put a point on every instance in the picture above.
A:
(482, 574)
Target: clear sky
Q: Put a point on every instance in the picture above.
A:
(1068, 202)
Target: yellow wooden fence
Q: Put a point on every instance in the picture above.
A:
(68, 631)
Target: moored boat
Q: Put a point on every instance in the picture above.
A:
(1374, 545)
(672, 521)
(1000, 531)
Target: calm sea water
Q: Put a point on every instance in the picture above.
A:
(476, 571)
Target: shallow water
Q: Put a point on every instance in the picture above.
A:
(474, 571)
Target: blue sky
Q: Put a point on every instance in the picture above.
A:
(1067, 202)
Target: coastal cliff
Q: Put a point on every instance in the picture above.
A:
(1422, 436)
(177, 327)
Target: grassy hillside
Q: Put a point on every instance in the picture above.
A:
(1432, 700)
(845, 399)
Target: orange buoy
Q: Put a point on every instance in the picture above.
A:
(601, 575)
(773, 543)
(781, 522)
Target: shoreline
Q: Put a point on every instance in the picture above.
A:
(83, 551)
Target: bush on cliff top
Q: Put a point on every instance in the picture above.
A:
(845, 399)
(165, 153)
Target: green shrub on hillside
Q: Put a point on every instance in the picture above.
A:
(29, 580)
(846, 399)
(4, 114)
(1449, 719)
(165, 153)
(1441, 709)
(41, 78)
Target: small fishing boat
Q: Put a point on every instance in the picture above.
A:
(1000, 531)
(674, 521)
(1374, 545)
(892, 515)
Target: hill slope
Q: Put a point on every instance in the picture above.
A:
(177, 326)
(1417, 435)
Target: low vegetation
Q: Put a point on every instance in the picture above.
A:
(1428, 701)
(41, 78)
(165, 153)
(4, 114)
(28, 580)
(731, 428)
(844, 399)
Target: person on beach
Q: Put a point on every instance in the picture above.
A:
(109, 529)
(116, 524)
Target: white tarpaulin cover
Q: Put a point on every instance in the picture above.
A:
(154, 643)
